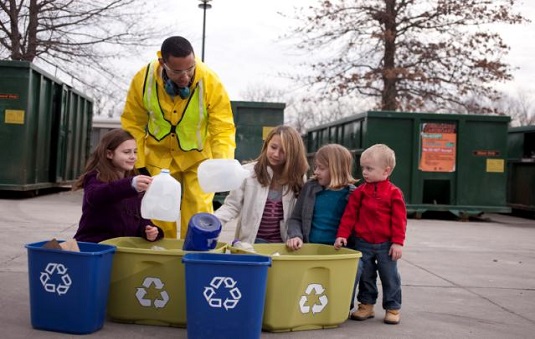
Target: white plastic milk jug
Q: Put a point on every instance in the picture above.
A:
(221, 175)
(162, 199)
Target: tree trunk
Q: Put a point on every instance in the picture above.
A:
(14, 36)
(31, 53)
(389, 95)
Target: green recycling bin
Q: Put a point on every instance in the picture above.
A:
(148, 281)
(307, 289)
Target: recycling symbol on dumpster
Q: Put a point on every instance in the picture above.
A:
(60, 270)
(319, 298)
(226, 283)
(142, 292)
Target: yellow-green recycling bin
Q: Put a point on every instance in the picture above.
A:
(307, 289)
(147, 284)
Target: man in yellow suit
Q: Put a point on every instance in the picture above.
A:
(179, 113)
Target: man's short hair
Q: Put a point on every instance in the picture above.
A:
(176, 46)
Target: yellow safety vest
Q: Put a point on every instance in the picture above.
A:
(191, 130)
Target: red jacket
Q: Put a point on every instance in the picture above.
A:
(376, 212)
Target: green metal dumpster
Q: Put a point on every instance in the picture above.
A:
(521, 168)
(45, 129)
(445, 162)
(254, 120)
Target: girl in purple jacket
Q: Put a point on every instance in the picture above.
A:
(112, 192)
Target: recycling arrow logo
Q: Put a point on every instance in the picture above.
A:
(142, 292)
(319, 292)
(52, 270)
(212, 293)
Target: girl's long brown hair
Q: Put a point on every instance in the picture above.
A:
(296, 164)
(99, 161)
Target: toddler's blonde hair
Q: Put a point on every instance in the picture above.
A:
(381, 153)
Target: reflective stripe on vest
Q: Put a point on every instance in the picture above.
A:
(191, 129)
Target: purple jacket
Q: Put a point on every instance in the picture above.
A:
(111, 210)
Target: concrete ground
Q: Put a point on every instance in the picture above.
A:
(472, 279)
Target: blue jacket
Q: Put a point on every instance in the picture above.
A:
(300, 222)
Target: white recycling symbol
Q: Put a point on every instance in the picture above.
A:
(65, 280)
(210, 293)
(319, 290)
(142, 291)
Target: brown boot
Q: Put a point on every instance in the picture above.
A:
(392, 317)
(365, 311)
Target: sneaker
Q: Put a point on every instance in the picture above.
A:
(365, 311)
(392, 317)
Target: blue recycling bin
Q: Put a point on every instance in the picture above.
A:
(69, 290)
(225, 295)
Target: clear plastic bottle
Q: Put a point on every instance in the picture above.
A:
(221, 175)
(162, 199)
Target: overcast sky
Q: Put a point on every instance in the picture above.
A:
(243, 42)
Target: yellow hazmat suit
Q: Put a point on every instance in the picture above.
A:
(169, 153)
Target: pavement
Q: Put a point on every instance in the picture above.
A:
(460, 279)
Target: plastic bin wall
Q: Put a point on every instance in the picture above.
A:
(148, 281)
(521, 168)
(225, 295)
(47, 126)
(307, 289)
(69, 290)
(445, 162)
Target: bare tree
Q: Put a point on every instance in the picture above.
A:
(301, 113)
(263, 93)
(408, 53)
(520, 106)
(80, 38)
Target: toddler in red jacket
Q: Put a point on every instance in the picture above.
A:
(377, 215)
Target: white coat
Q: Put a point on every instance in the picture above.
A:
(246, 205)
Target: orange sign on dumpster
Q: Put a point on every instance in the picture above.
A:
(438, 147)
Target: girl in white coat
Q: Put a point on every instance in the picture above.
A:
(265, 200)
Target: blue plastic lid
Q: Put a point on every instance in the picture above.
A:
(205, 221)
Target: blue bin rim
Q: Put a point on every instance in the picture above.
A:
(99, 248)
(226, 259)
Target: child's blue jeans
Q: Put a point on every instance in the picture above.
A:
(375, 259)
